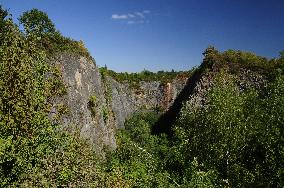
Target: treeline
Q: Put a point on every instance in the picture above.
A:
(147, 76)
(235, 61)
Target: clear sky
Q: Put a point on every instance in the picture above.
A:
(130, 35)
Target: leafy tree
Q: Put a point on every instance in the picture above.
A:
(280, 62)
(3, 14)
(37, 22)
(211, 57)
(282, 54)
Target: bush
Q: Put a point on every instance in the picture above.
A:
(235, 133)
(138, 154)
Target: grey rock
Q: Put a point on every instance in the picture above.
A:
(115, 101)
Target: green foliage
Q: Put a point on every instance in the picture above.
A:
(236, 61)
(282, 54)
(235, 134)
(138, 154)
(22, 120)
(66, 161)
(62, 109)
(247, 60)
(36, 21)
(211, 57)
(199, 178)
(134, 78)
(18, 94)
(143, 159)
(51, 41)
(105, 113)
(56, 43)
(279, 63)
(93, 104)
(93, 100)
(54, 85)
(3, 15)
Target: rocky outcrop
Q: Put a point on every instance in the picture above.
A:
(126, 100)
(83, 80)
(99, 105)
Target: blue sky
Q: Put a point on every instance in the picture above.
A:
(132, 35)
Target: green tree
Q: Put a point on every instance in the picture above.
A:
(211, 57)
(282, 54)
(37, 22)
(3, 13)
(280, 62)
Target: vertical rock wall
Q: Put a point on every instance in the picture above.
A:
(113, 102)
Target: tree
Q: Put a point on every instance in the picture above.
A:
(36, 21)
(211, 57)
(281, 54)
(3, 13)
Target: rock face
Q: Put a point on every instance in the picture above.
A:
(126, 100)
(99, 105)
(83, 80)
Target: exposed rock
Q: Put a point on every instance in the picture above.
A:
(115, 102)
(83, 80)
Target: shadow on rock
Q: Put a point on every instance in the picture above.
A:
(166, 121)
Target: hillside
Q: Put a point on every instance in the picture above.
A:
(67, 123)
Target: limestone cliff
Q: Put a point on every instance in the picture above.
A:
(99, 105)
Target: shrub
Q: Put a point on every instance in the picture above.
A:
(234, 133)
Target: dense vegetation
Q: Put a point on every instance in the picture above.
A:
(234, 139)
(147, 76)
(238, 135)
